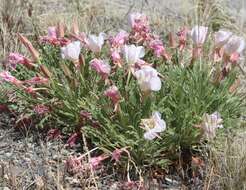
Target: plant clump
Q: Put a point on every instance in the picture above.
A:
(144, 101)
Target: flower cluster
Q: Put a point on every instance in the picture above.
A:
(16, 58)
(228, 48)
(131, 89)
(6, 76)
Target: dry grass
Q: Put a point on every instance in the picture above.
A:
(11, 22)
(227, 165)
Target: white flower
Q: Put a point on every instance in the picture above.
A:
(199, 34)
(133, 53)
(132, 17)
(71, 51)
(95, 43)
(221, 37)
(235, 44)
(210, 124)
(153, 126)
(148, 79)
(135, 16)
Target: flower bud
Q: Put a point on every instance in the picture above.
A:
(29, 46)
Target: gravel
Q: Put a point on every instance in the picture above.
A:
(28, 161)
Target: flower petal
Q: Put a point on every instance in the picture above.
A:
(155, 84)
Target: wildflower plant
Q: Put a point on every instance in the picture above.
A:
(138, 99)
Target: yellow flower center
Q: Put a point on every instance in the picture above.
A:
(148, 123)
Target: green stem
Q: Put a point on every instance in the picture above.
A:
(128, 78)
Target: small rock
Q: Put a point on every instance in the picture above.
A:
(114, 186)
(6, 188)
(39, 183)
(8, 154)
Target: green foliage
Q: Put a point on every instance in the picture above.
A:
(188, 94)
(65, 93)
(122, 129)
(5, 89)
(3, 94)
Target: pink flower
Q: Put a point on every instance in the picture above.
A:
(116, 56)
(53, 39)
(234, 58)
(64, 41)
(52, 33)
(16, 58)
(159, 50)
(72, 139)
(96, 161)
(140, 63)
(30, 90)
(182, 34)
(53, 134)
(101, 67)
(139, 22)
(37, 80)
(48, 40)
(41, 109)
(116, 155)
(158, 47)
(6, 76)
(140, 27)
(119, 40)
(113, 93)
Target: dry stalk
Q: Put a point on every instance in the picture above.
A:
(89, 161)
